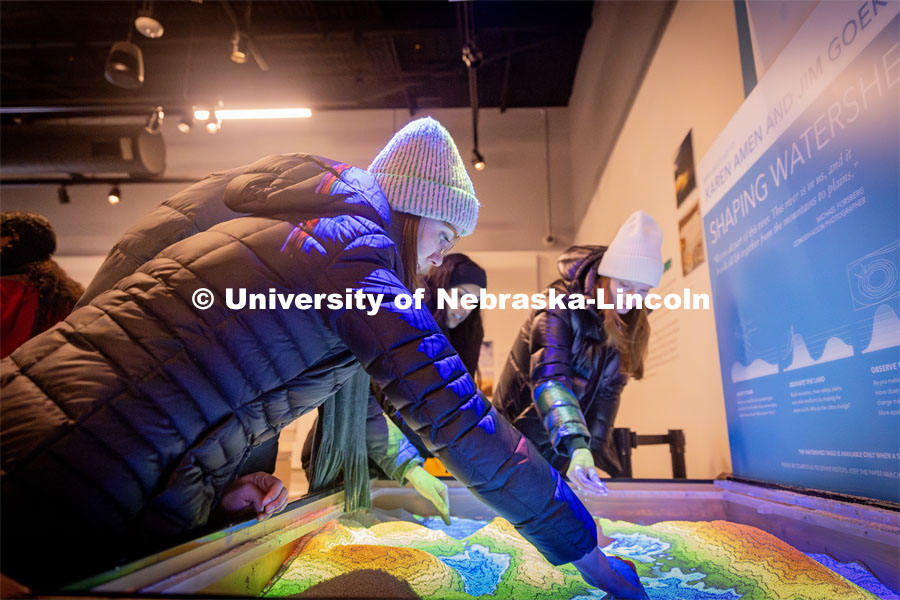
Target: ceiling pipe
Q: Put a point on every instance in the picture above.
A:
(72, 181)
(48, 148)
(124, 109)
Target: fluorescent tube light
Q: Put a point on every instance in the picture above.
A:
(257, 113)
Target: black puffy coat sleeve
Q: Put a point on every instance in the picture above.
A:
(405, 353)
(551, 380)
(602, 418)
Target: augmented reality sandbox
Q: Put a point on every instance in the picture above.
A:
(687, 539)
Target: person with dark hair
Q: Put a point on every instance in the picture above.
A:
(124, 427)
(393, 447)
(565, 373)
(462, 326)
(35, 293)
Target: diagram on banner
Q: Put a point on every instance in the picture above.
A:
(874, 278)
(758, 368)
(763, 362)
(835, 349)
(885, 330)
(742, 332)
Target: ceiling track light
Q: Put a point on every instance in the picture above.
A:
(115, 195)
(63, 194)
(471, 55)
(238, 48)
(145, 22)
(473, 58)
(247, 45)
(213, 125)
(186, 123)
(125, 66)
(478, 160)
(212, 121)
(155, 120)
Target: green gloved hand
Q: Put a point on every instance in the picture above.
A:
(433, 489)
(584, 475)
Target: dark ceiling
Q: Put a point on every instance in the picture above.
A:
(325, 55)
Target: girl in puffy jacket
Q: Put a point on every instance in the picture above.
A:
(565, 373)
(123, 428)
(392, 446)
(463, 327)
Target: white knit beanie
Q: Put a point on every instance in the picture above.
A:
(635, 254)
(421, 173)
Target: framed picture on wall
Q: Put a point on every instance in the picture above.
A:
(690, 234)
(685, 180)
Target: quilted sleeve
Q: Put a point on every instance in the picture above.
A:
(551, 382)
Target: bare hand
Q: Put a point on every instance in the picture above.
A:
(263, 493)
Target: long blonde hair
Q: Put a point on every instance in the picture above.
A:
(629, 334)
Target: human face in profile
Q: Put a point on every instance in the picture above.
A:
(460, 314)
(626, 287)
(435, 239)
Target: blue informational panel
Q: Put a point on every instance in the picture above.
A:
(800, 197)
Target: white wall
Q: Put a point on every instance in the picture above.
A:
(693, 83)
(616, 52)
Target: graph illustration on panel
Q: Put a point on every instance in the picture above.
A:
(885, 331)
(875, 278)
(765, 362)
(835, 348)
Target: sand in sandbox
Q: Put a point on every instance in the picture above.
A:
(365, 583)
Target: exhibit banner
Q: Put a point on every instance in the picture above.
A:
(800, 199)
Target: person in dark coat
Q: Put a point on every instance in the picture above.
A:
(35, 293)
(565, 373)
(462, 326)
(124, 427)
(393, 447)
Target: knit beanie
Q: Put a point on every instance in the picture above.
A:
(421, 173)
(635, 254)
(466, 271)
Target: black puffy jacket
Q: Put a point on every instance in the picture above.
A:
(121, 427)
(565, 347)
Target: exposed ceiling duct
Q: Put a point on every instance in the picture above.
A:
(81, 149)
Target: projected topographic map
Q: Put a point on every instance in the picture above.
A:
(682, 560)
